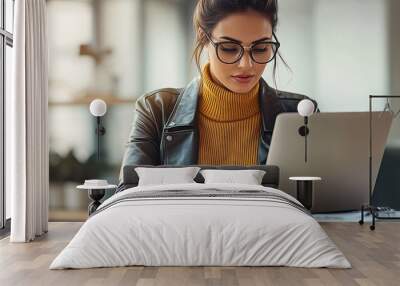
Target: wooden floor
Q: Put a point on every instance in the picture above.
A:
(375, 257)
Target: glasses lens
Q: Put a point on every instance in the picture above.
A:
(229, 52)
(263, 52)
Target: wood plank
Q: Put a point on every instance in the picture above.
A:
(374, 255)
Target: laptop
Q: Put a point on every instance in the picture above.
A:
(338, 152)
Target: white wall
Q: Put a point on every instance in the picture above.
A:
(394, 40)
(394, 44)
(295, 33)
(119, 30)
(165, 45)
(337, 50)
(351, 53)
(70, 23)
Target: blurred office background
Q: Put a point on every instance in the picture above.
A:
(339, 52)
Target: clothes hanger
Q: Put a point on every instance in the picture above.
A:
(388, 107)
(396, 114)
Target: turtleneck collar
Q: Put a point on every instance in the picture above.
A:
(220, 104)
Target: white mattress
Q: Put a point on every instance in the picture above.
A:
(183, 231)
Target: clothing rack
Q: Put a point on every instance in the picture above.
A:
(374, 210)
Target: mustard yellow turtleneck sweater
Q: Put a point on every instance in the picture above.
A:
(229, 124)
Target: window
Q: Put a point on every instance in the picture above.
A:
(6, 44)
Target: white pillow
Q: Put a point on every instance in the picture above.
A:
(248, 177)
(161, 176)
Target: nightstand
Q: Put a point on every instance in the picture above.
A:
(305, 189)
(96, 191)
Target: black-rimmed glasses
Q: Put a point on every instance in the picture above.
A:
(230, 52)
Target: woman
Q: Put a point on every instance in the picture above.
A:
(226, 116)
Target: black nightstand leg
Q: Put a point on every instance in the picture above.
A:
(96, 196)
(361, 221)
(305, 193)
(373, 211)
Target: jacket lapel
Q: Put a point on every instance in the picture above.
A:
(179, 141)
(184, 112)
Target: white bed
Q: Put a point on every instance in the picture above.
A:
(265, 229)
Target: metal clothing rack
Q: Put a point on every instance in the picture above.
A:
(374, 210)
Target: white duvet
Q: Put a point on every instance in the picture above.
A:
(183, 231)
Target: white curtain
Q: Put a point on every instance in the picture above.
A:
(27, 121)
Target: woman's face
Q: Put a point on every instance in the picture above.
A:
(246, 27)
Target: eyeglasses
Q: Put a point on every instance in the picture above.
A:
(230, 52)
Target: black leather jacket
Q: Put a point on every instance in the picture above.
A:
(164, 130)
